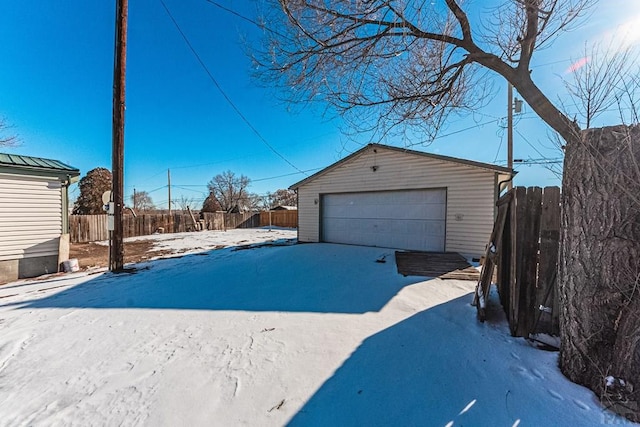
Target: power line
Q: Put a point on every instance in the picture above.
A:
(212, 163)
(499, 147)
(241, 16)
(545, 160)
(530, 144)
(159, 188)
(282, 176)
(189, 189)
(222, 92)
(466, 129)
(552, 63)
(148, 179)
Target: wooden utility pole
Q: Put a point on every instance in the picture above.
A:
(117, 150)
(169, 187)
(510, 132)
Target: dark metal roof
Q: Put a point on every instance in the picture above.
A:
(36, 163)
(487, 166)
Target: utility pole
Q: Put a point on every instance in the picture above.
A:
(135, 199)
(510, 131)
(117, 150)
(169, 187)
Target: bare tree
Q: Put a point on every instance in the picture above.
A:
(599, 81)
(6, 140)
(284, 197)
(141, 200)
(230, 190)
(186, 202)
(254, 202)
(388, 65)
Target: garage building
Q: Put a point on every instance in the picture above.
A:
(398, 198)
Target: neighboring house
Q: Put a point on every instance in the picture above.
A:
(397, 198)
(284, 208)
(34, 215)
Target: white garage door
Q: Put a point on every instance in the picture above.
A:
(411, 219)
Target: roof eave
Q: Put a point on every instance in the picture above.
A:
(486, 166)
(71, 174)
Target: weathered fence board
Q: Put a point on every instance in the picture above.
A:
(530, 244)
(546, 292)
(91, 228)
(279, 219)
(88, 228)
(518, 298)
(490, 261)
(527, 242)
(504, 268)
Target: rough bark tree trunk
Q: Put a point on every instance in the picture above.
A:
(599, 266)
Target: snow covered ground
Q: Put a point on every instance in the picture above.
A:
(306, 334)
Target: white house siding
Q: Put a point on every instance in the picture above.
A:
(470, 193)
(30, 216)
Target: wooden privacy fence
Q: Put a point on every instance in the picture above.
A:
(280, 219)
(91, 228)
(524, 250)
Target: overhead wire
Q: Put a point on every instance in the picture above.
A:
(499, 148)
(243, 17)
(257, 133)
(223, 93)
(157, 189)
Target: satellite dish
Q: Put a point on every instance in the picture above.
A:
(106, 197)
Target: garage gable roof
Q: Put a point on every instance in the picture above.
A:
(14, 163)
(487, 166)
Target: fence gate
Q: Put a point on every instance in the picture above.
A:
(524, 250)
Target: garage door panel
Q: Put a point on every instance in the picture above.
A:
(386, 211)
(416, 211)
(412, 219)
(437, 197)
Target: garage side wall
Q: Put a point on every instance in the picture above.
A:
(470, 193)
(30, 225)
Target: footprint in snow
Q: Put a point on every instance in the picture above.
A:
(515, 355)
(525, 373)
(581, 404)
(537, 374)
(555, 394)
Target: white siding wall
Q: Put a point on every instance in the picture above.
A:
(470, 193)
(30, 216)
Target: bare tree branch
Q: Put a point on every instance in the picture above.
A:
(598, 80)
(6, 140)
(186, 203)
(518, 28)
(412, 62)
(141, 200)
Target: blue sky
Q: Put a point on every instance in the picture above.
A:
(56, 91)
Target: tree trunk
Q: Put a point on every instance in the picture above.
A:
(599, 266)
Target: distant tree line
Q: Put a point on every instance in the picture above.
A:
(228, 192)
